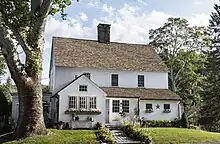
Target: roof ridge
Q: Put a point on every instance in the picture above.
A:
(94, 40)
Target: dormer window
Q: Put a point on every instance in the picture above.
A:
(114, 80)
(88, 75)
(83, 88)
(140, 80)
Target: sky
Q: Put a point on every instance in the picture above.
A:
(130, 20)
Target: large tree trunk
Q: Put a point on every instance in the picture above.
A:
(31, 121)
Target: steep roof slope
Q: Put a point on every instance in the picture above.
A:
(79, 53)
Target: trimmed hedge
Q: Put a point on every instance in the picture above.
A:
(105, 136)
(136, 133)
(163, 123)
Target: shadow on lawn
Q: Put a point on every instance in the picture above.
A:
(8, 137)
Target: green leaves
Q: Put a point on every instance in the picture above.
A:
(211, 95)
(180, 46)
(15, 13)
(59, 6)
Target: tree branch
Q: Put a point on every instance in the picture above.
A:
(41, 8)
(20, 40)
(180, 70)
(13, 62)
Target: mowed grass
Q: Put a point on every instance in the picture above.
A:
(180, 136)
(61, 137)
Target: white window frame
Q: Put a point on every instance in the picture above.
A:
(114, 83)
(83, 88)
(125, 106)
(88, 75)
(83, 102)
(140, 82)
(149, 104)
(166, 104)
(116, 108)
(92, 102)
(73, 102)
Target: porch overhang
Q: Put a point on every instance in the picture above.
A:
(141, 93)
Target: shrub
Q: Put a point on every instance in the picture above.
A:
(136, 133)
(191, 126)
(176, 123)
(184, 121)
(98, 126)
(105, 136)
(60, 125)
(162, 123)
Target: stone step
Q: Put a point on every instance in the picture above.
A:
(121, 138)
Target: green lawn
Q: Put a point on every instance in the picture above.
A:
(62, 137)
(178, 136)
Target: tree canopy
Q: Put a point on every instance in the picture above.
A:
(211, 95)
(180, 47)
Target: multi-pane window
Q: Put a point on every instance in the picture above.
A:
(83, 88)
(140, 80)
(82, 102)
(115, 106)
(92, 102)
(125, 106)
(114, 80)
(88, 75)
(149, 106)
(72, 102)
(166, 106)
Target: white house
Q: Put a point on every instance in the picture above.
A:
(101, 81)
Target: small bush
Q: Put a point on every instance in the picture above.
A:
(176, 123)
(184, 121)
(191, 126)
(60, 125)
(98, 126)
(105, 136)
(137, 134)
(162, 123)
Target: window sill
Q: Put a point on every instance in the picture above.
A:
(149, 111)
(167, 111)
(83, 112)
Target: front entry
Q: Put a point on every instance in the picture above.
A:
(107, 111)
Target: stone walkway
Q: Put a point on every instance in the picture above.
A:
(121, 138)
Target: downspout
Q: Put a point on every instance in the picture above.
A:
(57, 107)
(179, 110)
(139, 107)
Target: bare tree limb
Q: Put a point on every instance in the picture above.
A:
(180, 70)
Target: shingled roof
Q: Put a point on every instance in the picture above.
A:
(142, 93)
(79, 53)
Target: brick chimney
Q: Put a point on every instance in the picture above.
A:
(104, 33)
